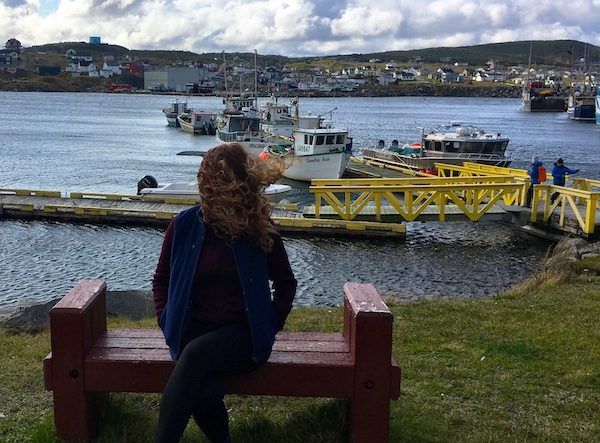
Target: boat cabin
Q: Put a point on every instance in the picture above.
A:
(241, 123)
(235, 105)
(320, 141)
(459, 138)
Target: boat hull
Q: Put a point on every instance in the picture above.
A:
(315, 167)
(584, 113)
(544, 104)
(598, 109)
(274, 193)
(172, 121)
(428, 162)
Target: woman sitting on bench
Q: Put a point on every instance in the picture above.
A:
(211, 290)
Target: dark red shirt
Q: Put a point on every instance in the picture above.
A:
(217, 294)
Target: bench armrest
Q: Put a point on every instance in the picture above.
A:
(368, 328)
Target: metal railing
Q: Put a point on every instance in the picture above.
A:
(410, 198)
(569, 203)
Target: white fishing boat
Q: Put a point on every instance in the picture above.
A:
(276, 118)
(174, 110)
(245, 128)
(201, 123)
(316, 153)
(148, 186)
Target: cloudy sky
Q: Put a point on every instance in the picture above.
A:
(297, 27)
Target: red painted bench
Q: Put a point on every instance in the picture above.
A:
(87, 359)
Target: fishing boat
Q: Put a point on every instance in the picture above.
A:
(148, 186)
(276, 118)
(536, 97)
(316, 153)
(582, 104)
(201, 123)
(175, 109)
(453, 143)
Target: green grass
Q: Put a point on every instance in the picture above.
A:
(508, 368)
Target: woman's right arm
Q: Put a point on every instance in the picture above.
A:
(160, 282)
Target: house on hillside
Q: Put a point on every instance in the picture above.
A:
(386, 79)
(404, 76)
(112, 66)
(447, 75)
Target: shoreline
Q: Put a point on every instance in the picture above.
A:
(405, 89)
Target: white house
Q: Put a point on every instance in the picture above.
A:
(112, 66)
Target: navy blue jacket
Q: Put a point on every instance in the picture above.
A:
(559, 172)
(251, 264)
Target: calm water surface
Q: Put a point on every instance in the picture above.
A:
(106, 143)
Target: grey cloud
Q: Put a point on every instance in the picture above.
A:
(13, 3)
(110, 7)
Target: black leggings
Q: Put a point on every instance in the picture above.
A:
(195, 388)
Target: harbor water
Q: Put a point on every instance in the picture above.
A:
(107, 142)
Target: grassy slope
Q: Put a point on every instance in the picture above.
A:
(512, 367)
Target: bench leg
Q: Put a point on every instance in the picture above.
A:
(75, 413)
(369, 420)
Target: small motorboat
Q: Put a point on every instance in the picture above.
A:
(148, 186)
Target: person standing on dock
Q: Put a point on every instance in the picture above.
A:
(211, 290)
(537, 175)
(559, 170)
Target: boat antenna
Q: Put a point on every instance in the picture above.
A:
(255, 82)
(225, 73)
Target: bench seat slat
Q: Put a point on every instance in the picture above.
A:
(135, 343)
(283, 335)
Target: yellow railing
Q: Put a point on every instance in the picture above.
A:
(569, 203)
(516, 198)
(411, 200)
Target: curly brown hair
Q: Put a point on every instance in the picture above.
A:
(231, 184)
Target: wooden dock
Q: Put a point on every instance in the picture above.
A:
(117, 209)
(390, 215)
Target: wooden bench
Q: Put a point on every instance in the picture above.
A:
(87, 359)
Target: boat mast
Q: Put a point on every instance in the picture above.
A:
(225, 72)
(255, 82)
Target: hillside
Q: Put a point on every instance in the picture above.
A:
(553, 53)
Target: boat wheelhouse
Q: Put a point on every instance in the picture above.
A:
(201, 123)
(454, 143)
(174, 110)
(276, 119)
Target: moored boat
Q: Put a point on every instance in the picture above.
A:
(454, 143)
(316, 153)
(582, 105)
(536, 97)
(276, 118)
(148, 186)
(201, 123)
(175, 109)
